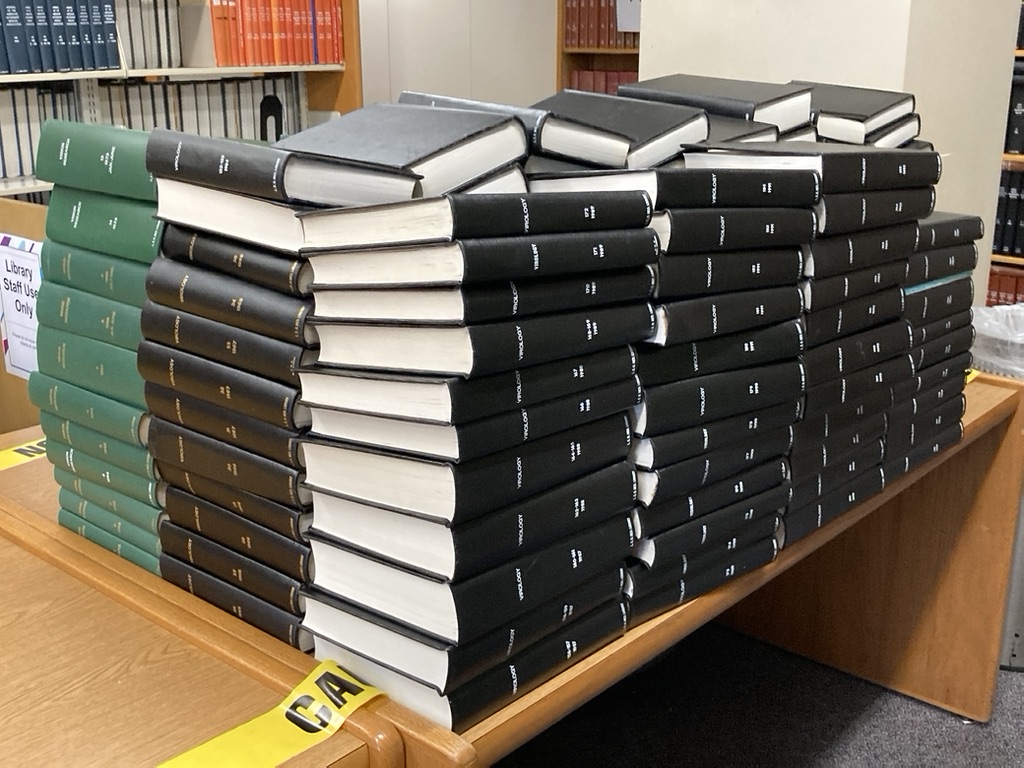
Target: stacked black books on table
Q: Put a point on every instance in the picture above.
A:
(855, 115)
(925, 417)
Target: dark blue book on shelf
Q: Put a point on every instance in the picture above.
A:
(15, 40)
(110, 35)
(85, 35)
(73, 36)
(51, 16)
(28, 21)
(5, 65)
(99, 43)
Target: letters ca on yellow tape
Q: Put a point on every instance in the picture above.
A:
(308, 715)
(19, 454)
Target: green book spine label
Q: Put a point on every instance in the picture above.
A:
(115, 225)
(98, 471)
(95, 317)
(104, 414)
(100, 158)
(134, 511)
(108, 541)
(98, 273)
(102, 368)
(145, 540)
(132, 458)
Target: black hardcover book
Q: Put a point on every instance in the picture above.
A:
(857, 387)
(237, 569)
(696, 230)
(820, 293)
(936, 263)
(806, 459)
(31, 32)
(903, 435)
(283, 625)
(785, 106)
(691, 319)
(465, 442)
(259, 170)
(224, 385)
(269, 269)
(76, 47)
(51, 36)
(932, 397)
(277, 444)
(687, 403)
(455, 552)
(664, 365)
(689, 475)
(997, 228)
(499, 685)
(899, 465)
(693, 585)
(228, 344)
(91, 14)
(458, 400)
(484, 348)
(852, 353)
(484, 303)
(830, 256)
(16, 39)
(807, 490)
(799, 523)
(454, 216)
(842, 212)
(461, 611)
(940, 301)
(943, 347)
(1013, 184)
(442, 148)
(842, 167)
(231, 530)
(736, 188)
(290, 522)
(897, 133)
(848, 113)
(230, 300)
(179, 446)
(109, 26)
(443, 665)
(690, 538)
(825, 325)
(671, 447)
(723, 128)
(459, 492)
(699, 274)
(649, 133)
(824, 425)
(483, 260)
(942, 229)
(927, 378)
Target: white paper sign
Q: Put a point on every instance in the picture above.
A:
(19, 287)
(627, 15)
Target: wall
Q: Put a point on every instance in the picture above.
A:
(485, 49)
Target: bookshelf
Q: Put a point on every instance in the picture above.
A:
(595, 47)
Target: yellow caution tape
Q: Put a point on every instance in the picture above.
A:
(972, 373)
(19, 454)
(308, 715)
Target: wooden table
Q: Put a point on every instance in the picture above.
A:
(908, 589)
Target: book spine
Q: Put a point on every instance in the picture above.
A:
(97, 273)
(134, 511)
(99, 412)
(687, 403)
(932, 376)
(59, 57)
(932, 304)
(110, 34)
(16, 39)
(235, 532)
(285, 626)
(825, 325)
(228, 300)
(829, 507)
(903, 435)
(941, 349)
(115, 225)
(85, 39)
(249, 434)
(822, 293)
(700, 274)
(830, 478)
(540, 213)
(927, 333)
(102, 368)
(769, 188)
(951, 232)
(31, 30)
(129, 457)
(236, 259)
(697, 230)
(860, 250)
(856, 352)
(94, 14)
(244, 572)
(859, 387)
(851, 212)
(144, 539)
(223, 385)
(99, 471)
(704, 317)
(227, 344)
(943, 262)
(104, 159)
(85, 314)
(508, 345)
(732, 490)
(108, 541)
(172, 444)
(504, 258)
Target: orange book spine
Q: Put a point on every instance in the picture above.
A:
(290, 43)
(309, 14)
(250, 41)
(339, 31)
(266, 32)
(603, 25)
(218, 22)
(320, 33)
(235, 41)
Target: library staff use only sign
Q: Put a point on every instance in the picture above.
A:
(19, 287)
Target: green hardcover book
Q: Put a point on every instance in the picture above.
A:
(98, 273)
(125, 422)
(115, 225)
(133, 458)
(98, 367)
(118, 546)
(102, 158)
(86, 314)
(145, 540)
(134, 511)
(98, 471)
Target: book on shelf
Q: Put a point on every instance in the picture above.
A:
(841, 212)
(926, 333)
(441, 149)
(946, 346)
(830, 256)
(127, 456)
(118, 226)
(269, 172)
(857, 351)
(831, 505)
(785, 106)
(849, 113)
(456, 552)
(934, 300)
(128, 423)
(697, 230)
(483, 348)
(446, 666)
(483, 303)
(455, 493)
(469, 261)
(454, 216)
(457, 400)
(117, 545)
(97, 470)
(138, 513)
(898, 465)
(697, 274)
(830, 323)
(145, 538)
(807, 490)
(724, 128)
(86, 314)
(461, 611)
(852, 389)
(942, 229)
(475, 439)
(934, 263)
(822, 292)
(95, 365)
(97, 273)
